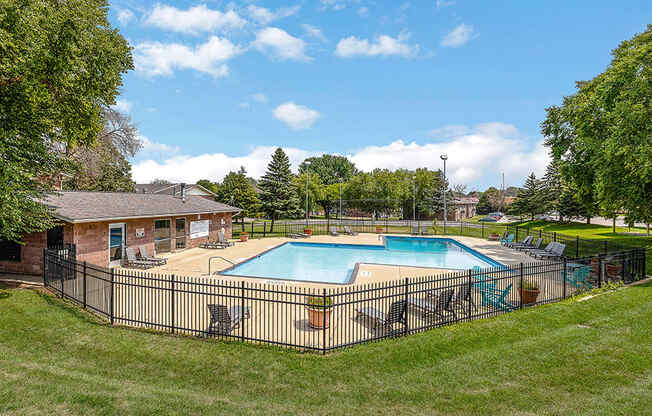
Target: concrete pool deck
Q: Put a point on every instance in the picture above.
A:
(194, 262)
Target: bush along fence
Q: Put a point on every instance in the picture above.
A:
(323, 319)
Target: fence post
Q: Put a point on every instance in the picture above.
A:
(599, 270)
(516, 238)
(252, 228)
(84, 286)
(605, 247)
(111, 296)
(623, 265)
(520, 288)
(45, 280)
(264, 229)
(172, 303)
(242, 310)
(564, 276)
(577, 246)
(483, 230)
(324, 324)
(554, 236)
(540, 233)
(405, 297)
(470, 293)
(461, 227)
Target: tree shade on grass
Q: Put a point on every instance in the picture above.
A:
(589, 357)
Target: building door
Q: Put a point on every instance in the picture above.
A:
(180, 233)
(116, 244)
(162, 243)
(55, 237)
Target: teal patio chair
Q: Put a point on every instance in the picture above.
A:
(496, 298)
(577, 277)
(508, 240)
(481, 280)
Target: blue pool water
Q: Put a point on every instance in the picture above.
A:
(334, 263)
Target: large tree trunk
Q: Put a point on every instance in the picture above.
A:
(613, 225)
(271, 229)
(242, 223)
(588, 220)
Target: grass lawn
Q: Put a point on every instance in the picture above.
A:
(590, 357)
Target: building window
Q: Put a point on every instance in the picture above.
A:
(9, 251)
(162, 235)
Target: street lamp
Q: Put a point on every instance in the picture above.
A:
(444, 157)
(307, 172)
(414, 197)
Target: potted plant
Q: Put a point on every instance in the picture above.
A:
(529, 291)
(379, 229)
(244, 236)
(317, 307)
(307, 231)
(493, 237)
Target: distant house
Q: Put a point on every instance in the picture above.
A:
(465, 207)
(102, 224)
(174, 189)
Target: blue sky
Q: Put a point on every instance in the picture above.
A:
(389, 84)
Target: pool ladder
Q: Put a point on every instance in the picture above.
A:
(217, 257)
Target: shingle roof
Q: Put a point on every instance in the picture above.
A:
(167, 188)
(102, 206)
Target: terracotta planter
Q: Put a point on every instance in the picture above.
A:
(316, 317)
(528, 296)
(614, 271)
(244, 237)
(379, 230)
(307, 231)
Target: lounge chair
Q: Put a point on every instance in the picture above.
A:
(334, 232)
(435, 304)
(298, 235)
(482, 280)
(221, 239)
(526, 242)
(397, 315)
(415, 230)
(546, 249)
(463, 295)
(496, 298)
(224, 320)
(556, 252)
(144, 255)
(535, 246)
(220, 243)
(508, 240)
(348, 231)
(133, 261)
(578, 275)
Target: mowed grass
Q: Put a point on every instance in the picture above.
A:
(590, 357)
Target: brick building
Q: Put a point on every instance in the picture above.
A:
(103, 224)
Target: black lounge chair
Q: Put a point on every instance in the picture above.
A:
(546, 249)
(144, 255)
(435, 305)
(526, 241)
(133, 261)
(298, 235)
(220, 243)
(224, 320)
(415, 230)
(334, 232)
(535, 246)
(424, 230)
(556, 252)
(348, 231)
(463, 295)
(397, 315)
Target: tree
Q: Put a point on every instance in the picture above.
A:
(551, 187)
(236, 190)
(528, 200)
(489, 201)
(314, 189)
(160, 181)
(104, 166)
(211, 186)
(278, 195)
(602, 134)
(330, 168)
(60, 63)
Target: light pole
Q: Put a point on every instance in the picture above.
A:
(444, 157)
(414, 198)
(307, 172)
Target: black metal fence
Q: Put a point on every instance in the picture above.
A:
(323, 319)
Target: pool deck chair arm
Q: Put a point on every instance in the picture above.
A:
(496, 298)
(397, 315)
(436, 304)
(224, 320)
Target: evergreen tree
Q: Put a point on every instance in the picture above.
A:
(528, 200)
(551, 188)
(236, 190)
(278, 195)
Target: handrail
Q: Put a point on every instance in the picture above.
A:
(217, 257)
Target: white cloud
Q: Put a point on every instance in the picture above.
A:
(383, 45)
(443, 3)
(213, 166)
(156, 58)
(458, 36)
(264, 16)
(314, 32)
(333, 4)
(125, 16)
(151, 148)
(363, 11)
(449, 131)
(475, 158)
(194, 20)
(297, 117)
(281, 45)
(123, 106)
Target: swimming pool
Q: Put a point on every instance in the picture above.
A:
(335, 263)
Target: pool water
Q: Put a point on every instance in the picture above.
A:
(335, 263)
